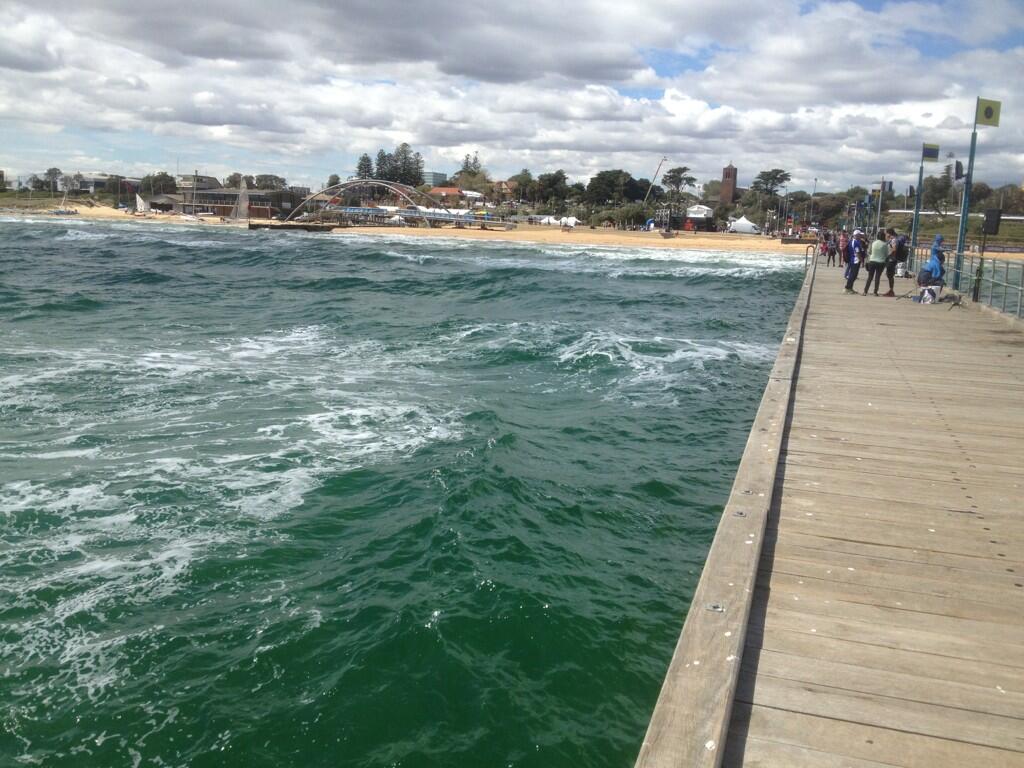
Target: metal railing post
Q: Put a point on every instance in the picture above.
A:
(1006, 282)
(992, 281)
(1020, 289)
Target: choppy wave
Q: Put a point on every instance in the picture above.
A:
(365, 485)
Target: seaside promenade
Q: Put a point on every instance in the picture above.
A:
(862, 604)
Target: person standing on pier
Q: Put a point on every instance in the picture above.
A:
(854, 257)
(877, 257)
(899, 250)
(831, 251)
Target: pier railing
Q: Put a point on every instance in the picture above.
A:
(997, 283)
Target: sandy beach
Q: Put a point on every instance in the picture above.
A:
(718, 241)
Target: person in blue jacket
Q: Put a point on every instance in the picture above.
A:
(856, 258)
(934, 269)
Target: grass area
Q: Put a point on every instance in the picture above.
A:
(43, 201)
(1010, 232)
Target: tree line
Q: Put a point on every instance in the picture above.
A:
(608, 190)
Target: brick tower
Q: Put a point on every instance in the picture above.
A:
(728, 191)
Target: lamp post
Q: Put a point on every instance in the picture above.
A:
(814, 189)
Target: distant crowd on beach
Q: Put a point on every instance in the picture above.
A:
(887, 253)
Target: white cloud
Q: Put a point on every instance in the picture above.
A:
(827, 90)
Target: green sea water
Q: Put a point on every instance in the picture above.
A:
(277, 499)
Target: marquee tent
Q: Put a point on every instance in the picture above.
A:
(744, 226)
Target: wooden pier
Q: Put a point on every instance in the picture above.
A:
(862, 604)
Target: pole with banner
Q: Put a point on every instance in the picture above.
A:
(878, 212)
(986, 112)
(930, 154)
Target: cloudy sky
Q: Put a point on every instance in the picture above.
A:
(844, 92)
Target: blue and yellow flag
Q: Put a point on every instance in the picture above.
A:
(987, 112)
(930, 153)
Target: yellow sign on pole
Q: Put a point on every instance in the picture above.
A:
(987, 112)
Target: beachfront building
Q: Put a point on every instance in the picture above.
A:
(190, 181)
(505, 191)
(435, 178)
(700, 217)
(97, 182)
(223, 201)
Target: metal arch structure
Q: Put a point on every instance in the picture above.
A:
(404, 191)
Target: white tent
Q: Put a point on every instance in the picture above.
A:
(699, 212)
(745, 226)
(568, 221)
(549, 220)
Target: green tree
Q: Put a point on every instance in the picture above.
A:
(333, 180)
(770, 182)
(657, 191)
(52, 176)
(613, 187)
(935, 193)
(829, 208)
(1010, 198)
(270, 181)
(677, 179)
(981, 196)
(551, 190)
(234, 181)
(471, 164)
(162, 183)
(711, 191)
(472, 175)
(384, 167)
(364, 168)
(406, 166)
(524, 184)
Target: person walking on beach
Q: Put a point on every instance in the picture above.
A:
(877, 258)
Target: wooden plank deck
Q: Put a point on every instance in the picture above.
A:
(886, 622)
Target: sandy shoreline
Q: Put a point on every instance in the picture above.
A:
(713, 241)
(716, 241)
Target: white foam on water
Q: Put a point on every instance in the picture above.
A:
(80, 453)
(117, 542)
(417, 258)
(644, 370)
(614, 261)
(25, 495)
(83, 235)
